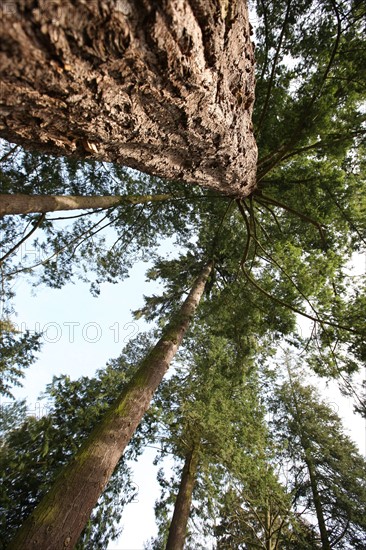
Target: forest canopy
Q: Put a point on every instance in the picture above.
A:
(264, 205)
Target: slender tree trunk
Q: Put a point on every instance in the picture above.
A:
(270, 544)
(163, 86)
(317, 502)
(58, 520)
(25, 204)
(305, 443)
(178, 525)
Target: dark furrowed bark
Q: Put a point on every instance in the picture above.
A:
(63, 513)
(166, 87)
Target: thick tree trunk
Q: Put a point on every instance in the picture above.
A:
(25, 204)
(164, 86)
(62, 514)
(178, 525)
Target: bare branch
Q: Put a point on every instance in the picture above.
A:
(35, 227)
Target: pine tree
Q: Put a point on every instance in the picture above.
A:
(327, 471)
(34, 449)
(210, 422)
(79, 485)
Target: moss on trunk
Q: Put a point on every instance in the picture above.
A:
(62, 514)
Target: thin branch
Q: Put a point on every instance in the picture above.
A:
(252, 224)
(92, 235)
(272, 214)
(278, 155)
(97, 211)
(58, 251)
(260, 225)
(275, 60)
(252, 217)
(348, 220)
(340, 537)
(263, 198)
(346, 382)
(281, 181)
(282, 269)
(267, 158)
(247, 244)
(332, 57)
(331, 139)
(264, 8)
(138, 228)
(308, 340)
(9, 153)
(129, 228)
(295, 310)
(35, 227)
(221, 225)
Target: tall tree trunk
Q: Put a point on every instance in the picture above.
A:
(62, 514)
(164, 86)
(270, 543)
(25, 204)
(316, 498)
(178, 525)
(306, 446)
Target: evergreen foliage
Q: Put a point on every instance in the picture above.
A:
(33, 450)
(280, 253)
(320, 456)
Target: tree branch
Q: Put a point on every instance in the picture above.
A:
(9, 153)
(247, 244)
(292, 210)
(275, 60)
(296, 310)
(35, 227)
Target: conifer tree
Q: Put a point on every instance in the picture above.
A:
(35, 448)
(326, 468)
(64, 511)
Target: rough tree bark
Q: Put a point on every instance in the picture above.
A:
(61, 516)
(178, 525)
(163, 86)
(26, 204)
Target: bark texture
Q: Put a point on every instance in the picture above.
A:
(178, 525)
(163, 86)
(61, 516)
(26, 204)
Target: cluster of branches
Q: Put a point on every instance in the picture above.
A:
(246, 267)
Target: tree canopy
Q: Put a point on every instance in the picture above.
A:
(168, 88)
